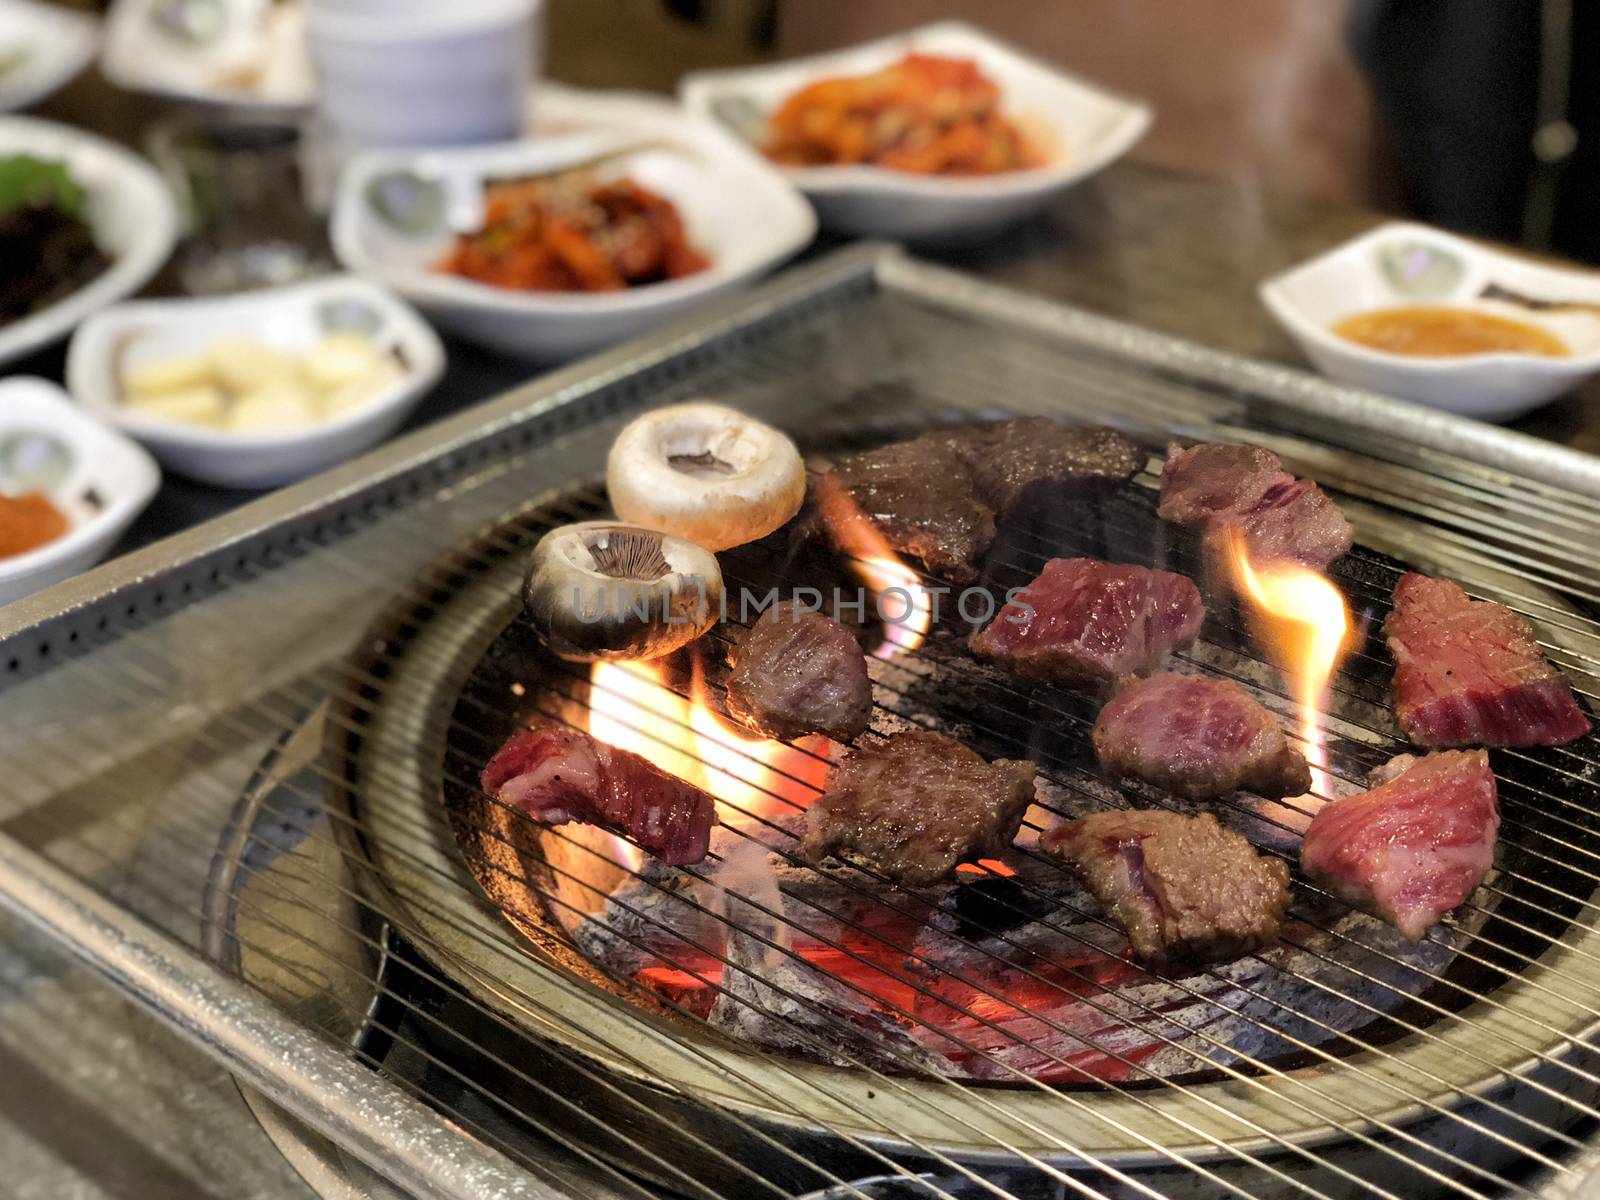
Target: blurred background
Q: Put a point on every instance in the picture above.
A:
(1459, 112)
(1281, 128)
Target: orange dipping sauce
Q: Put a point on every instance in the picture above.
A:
(1436, 332)
(28, 522)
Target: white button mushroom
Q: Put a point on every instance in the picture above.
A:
(705, 473)
(602, 590)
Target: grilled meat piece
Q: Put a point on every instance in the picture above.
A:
(1182, 887)
(1083, 621)
(1413, 847)
(1212, 478)
(1028, 459)
(1198, 738)
(556, 775)
(1216, 486)
(1470, 672)
(795, 672)
(916, 806)
(936, 496)
(921, 496)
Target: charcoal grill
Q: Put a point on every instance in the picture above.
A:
(234, 748)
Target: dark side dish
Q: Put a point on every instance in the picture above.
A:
(47, 249)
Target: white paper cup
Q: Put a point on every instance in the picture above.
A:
(424, 72)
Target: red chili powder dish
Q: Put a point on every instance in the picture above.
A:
(28, 522)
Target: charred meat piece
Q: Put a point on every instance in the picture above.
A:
(556, 775)
(1216, 486)
(1182, 887)
(1413, 847)
(921, 496)
(796, 671)
(1034, 458)
(916, 806)
(936, 496)
(1470, 672)
(1083, 621)
(1198, 738)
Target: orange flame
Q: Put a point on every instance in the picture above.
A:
(1304, 621)
(985, 866)
(631, 707)
(897, 592)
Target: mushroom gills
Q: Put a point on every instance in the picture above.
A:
(629, 554)
(603, 590)
(705, 465)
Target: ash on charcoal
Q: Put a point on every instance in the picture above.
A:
(793, 1006)
(646, 919)
(1052, 999)
(772, 997)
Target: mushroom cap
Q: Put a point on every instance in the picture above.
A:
(605, 590)
(706, 473)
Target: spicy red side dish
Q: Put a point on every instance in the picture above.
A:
(927, 115)
(573, 233)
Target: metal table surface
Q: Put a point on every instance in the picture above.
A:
(97, 1101)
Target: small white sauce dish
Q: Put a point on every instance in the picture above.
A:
(1407, 265)
(134, 219)
(735, 208)
(292, 319)
(1082, 127)
(237, 54)
(43, 47)
(99, 479)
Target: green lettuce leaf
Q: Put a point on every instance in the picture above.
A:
(26, 181)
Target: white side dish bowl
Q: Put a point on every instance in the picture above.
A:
(291, 319)
(736, 209)
(1088, 126)
(105, 481)
(43, 47)
(129, 208)
(1402, 265)
(240, 54)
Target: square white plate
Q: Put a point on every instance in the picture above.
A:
(1309, 299)
(736, 208)
(1091, 128)
(107, 484)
